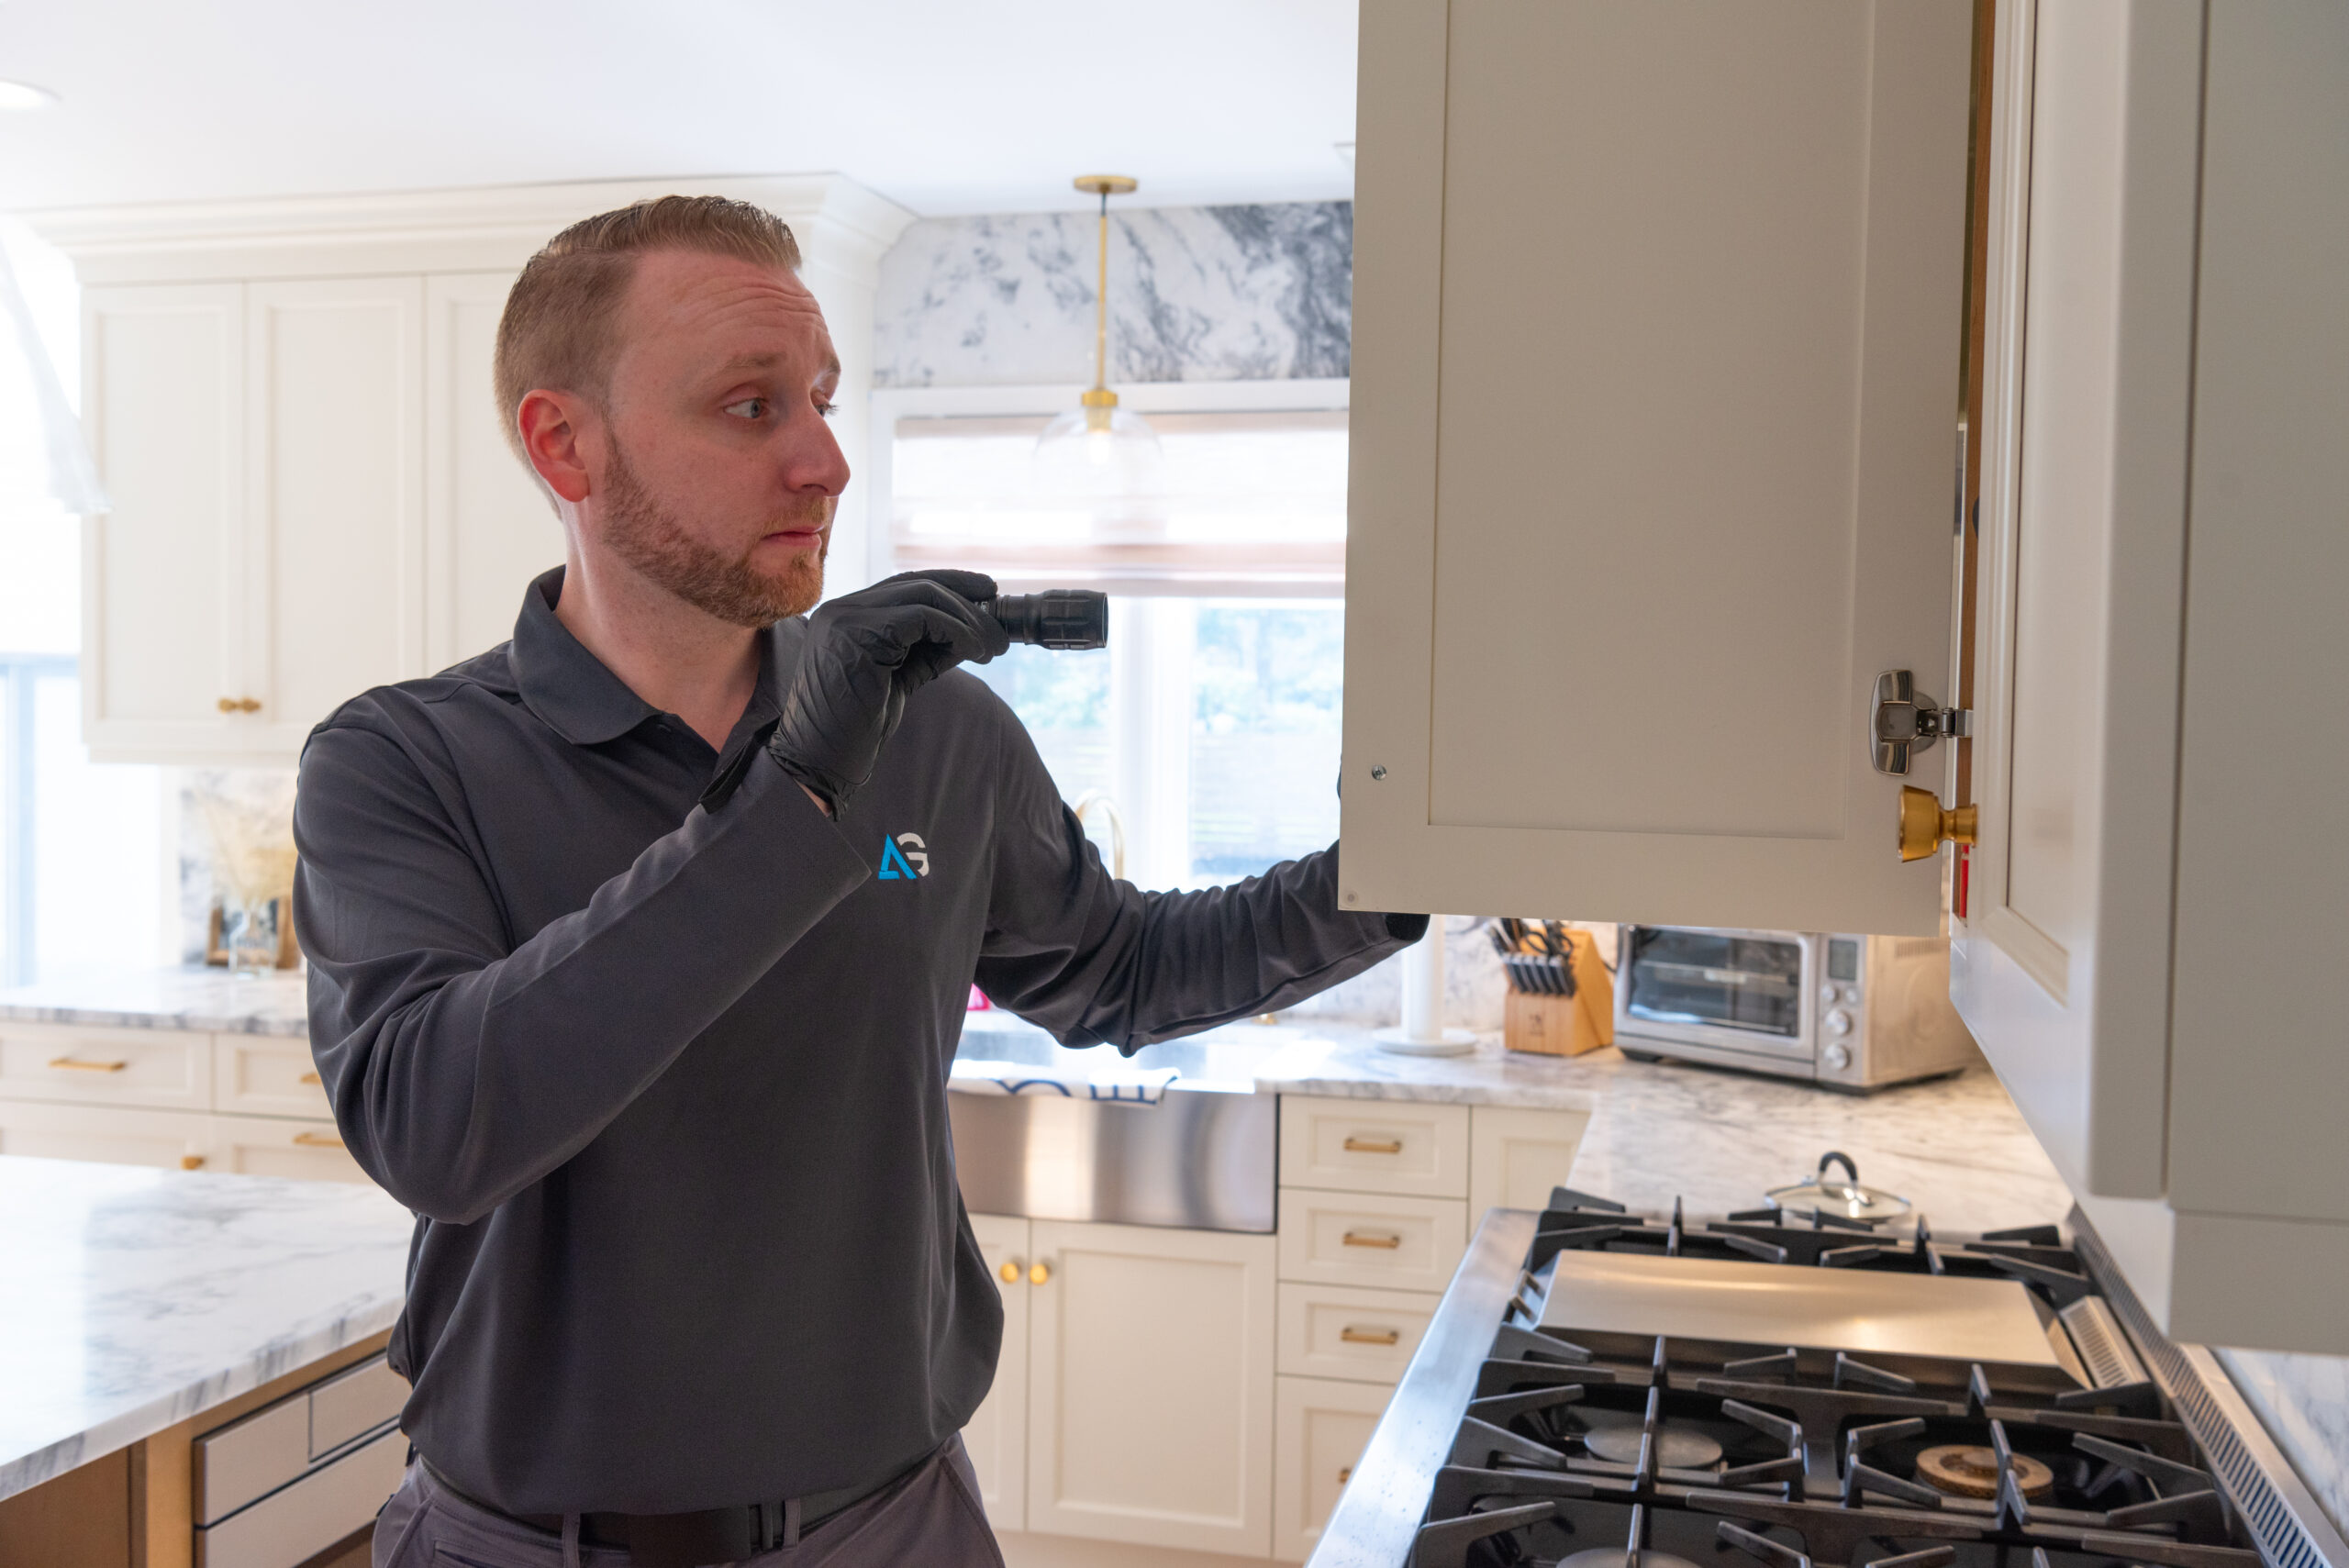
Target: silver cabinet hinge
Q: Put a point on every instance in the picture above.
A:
(1905, 721)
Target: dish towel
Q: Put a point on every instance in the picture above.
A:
(1133, 1086)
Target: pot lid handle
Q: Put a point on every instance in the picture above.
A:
(1837, 1156)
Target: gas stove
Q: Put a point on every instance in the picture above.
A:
(1602, 1389)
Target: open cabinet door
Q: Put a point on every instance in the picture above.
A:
(2061, 966)
(1658, 312)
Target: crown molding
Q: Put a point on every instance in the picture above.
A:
(839, 225)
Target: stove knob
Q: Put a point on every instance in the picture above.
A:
(1837, 1057)
(1838, 1021)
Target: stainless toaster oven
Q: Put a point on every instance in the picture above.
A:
(1845, 1011)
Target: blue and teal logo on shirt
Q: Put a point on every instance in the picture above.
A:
(904, 858)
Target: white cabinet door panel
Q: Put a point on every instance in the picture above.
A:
(1321, 1429)
(114, 1135)
(2061, 968)
(262, 1146)
(1655, 382)
(1177, 1323)
(490, 530)
(334, 427)
(996, 1434)
(1519, 1156)
(162, 586)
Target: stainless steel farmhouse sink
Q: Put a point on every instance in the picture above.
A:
(1201, 1158)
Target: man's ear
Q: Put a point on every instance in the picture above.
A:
(555, 427)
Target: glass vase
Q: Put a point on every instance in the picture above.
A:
(249, 935)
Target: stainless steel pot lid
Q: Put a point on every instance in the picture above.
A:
(1846, 1199)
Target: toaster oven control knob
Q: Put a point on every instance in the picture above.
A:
(1827, 996)
(1837, 1057)
(1837, 1021)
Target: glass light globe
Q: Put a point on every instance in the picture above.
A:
(1106, 460)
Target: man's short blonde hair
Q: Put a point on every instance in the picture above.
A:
(558, 328)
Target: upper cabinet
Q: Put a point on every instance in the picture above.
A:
(2150, 933)
(1658, 317)
(1658, 325)
(291, 409)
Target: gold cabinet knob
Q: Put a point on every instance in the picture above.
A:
(1038, 1273)
(1009, 1272)
(191, 1162)
(1924, 826)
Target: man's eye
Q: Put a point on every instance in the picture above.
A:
(828, 409)
(749, 408)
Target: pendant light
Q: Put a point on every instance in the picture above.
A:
(1098, 454)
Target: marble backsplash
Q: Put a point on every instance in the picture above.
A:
(1195, 294)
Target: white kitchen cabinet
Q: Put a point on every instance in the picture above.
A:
(1374, 1241)
(1375, 1146)
(334, 555)
(996, 1433)
(488, 528)
(1656, 383)
(79, 1064)
(260, 1075)
(115, 1135)
(2151, 928)
(262, 1146)
(1321, 1429)
(290, 405)
(163, 573)
(1178, 1323)
(1349, 1333)
(1519, 1155)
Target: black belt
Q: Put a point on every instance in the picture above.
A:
(699, 1539)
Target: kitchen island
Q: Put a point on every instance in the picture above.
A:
(137, 1305)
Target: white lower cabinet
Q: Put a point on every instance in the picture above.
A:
(262, 1146)
(1319, 1427)
(177, 1099)
(117, 1135)
(1342, 1331)
(997, 1435)
(1516, 1156)
(1175, 1323)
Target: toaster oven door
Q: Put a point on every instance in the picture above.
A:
(1733, 990)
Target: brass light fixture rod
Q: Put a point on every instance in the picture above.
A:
(1100, 399)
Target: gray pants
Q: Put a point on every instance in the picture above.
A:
(931, 1516)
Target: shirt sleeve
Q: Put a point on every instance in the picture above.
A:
(1093, 958)
(462, 1065)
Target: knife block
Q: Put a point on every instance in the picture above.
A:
(1564, 1026)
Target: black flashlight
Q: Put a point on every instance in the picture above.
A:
(1057, 618)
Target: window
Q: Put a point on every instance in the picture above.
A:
(1212, 721)
(81, 845)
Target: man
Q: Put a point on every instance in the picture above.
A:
(604, 985)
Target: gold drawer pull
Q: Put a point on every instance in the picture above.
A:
(1354, 1336)
(240, 704)
(1373, 1146)
(1009, 1272)
(191, 1162)
(314, 1080)
(317, 1140)
(1371, 1239)
(67, 1065)
(1345, 1474)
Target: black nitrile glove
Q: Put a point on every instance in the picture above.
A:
(865, 654)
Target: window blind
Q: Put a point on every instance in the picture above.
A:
(1253, 505)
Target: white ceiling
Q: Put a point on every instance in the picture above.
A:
(946, 105)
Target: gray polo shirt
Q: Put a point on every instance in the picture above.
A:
(658, 1054)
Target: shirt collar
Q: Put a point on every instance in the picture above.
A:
(583, 702)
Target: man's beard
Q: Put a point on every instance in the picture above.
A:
(648, 536)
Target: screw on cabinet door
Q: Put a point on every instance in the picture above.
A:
(1038, 1273)
(1009, 1272)
(1377, 770)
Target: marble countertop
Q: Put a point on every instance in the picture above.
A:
(195, 998)
(131, 1299)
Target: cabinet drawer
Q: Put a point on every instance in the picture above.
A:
(117, 1135)
(1364, 1336)
(1320, 1430)
(1375, 1146)
(166, 1069)
(1396, 1243)
(254, 1074)
(1517, 1156)
(257, 1146)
